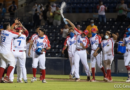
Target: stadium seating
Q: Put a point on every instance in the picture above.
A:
(90, 6)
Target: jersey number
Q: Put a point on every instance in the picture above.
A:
(19, 42)
(3, 39)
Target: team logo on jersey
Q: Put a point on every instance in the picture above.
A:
(5, 34)
(72, 42)
(22, 38)
(93, 42)
(39, 44)
(104, 44)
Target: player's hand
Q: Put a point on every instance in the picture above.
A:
(62, 51)
(81, 44)
(95, 54)
(43, 50)
(87, 52)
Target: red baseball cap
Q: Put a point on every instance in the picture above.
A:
(86, 32)
(94, 30)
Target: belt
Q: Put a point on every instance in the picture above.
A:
(19, 50)
(93, 49)
(80, 49)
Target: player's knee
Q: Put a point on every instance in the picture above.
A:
(42, 67)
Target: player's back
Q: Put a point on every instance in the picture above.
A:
(6, 41)
(19, 43)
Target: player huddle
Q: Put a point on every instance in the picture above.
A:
(101, 51)
(13, 52)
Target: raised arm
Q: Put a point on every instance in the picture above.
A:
(114, 36)
(71, 24)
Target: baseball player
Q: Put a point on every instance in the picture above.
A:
(42, 44)
(126, 41)
(19, 48)
(6, 55)
(82, 42)
(32, 48)
(71, 43)
(95, 40)
(107, 47)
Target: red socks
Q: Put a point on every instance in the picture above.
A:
(128, 68)
(43, 73)
(93, 73)
(34, 72)
(103, 70)
(1, 72)
(108, 73)
(9, 69)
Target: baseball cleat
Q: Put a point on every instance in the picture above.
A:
(128, 80)
(25, 81)
(73, 77)
(93, 80)
(88, 78)
(106, 79)
(43, 81)
(33, 79)
(77, 79)
(70, 76)
(19, 81)
(6, 80)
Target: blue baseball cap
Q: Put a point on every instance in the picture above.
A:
(1, 26)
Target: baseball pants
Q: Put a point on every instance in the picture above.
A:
(71, 59)
(41, 59)
(83, 56)
(127, 58)
(97, 59)
(7, 59)
(20, 59)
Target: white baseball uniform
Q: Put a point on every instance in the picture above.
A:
(108, 49)
(18, 49)
(42, 43)
(95, 41)
(33, 38)
(127, 54)
(5, 48)
(81, 53)
(71, 43)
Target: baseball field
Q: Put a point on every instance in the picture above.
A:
(62, 82)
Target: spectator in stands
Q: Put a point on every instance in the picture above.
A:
(101, 12)
(12, 9)
(57, 17)
(41, 15)
(50, 17)
(89, 27)
(64, 32)
(2, 11)
(122, 11)
(36, 19)
(128, 14)
(45, 11)
(53, 8)
(34, 8)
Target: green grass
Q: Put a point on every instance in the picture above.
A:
(60, 84)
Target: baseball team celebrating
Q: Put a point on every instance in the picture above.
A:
(13, 52)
